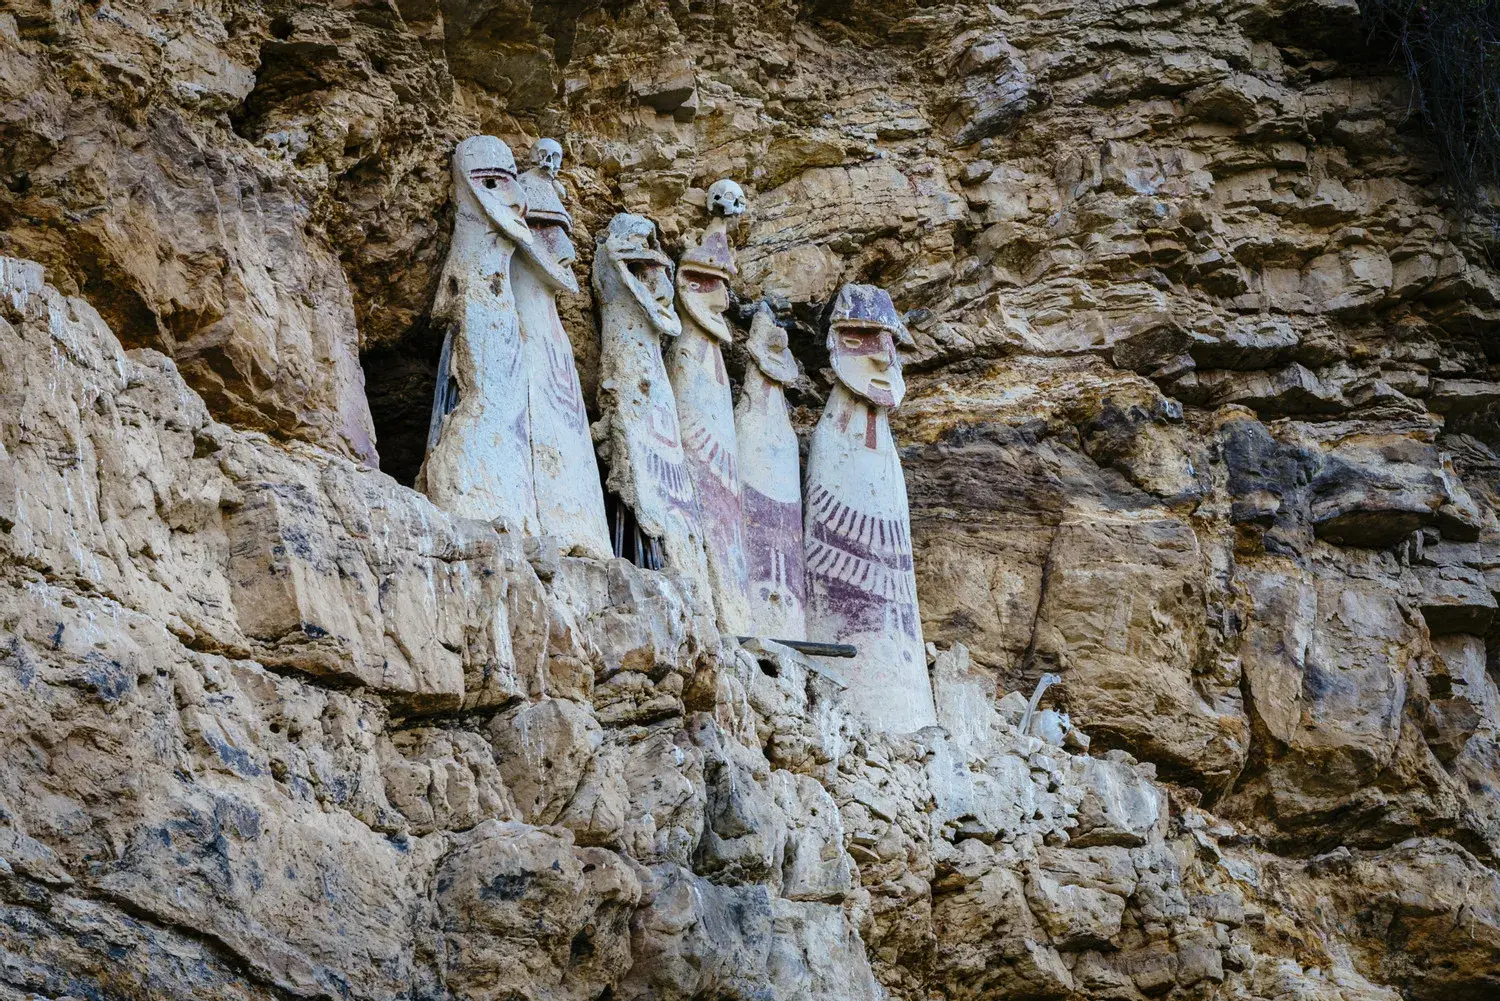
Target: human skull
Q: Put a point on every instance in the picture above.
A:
(726, 198)
(547, 156)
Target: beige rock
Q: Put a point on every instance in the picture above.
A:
(980, 906)
(1275, 647)
(600, 806)
(1074, 913)
(314, 563)
(523, 910)
(816, 953)
(1364, 644)
(1120, 805)
(309, 593)
(645, 636)
(217, 269)
(667, 798)
(1461, 661)
(223, 845)
(692, 937)
(442, 780)
(1122, 620)
(815, 865)
(1421, 883)
(543, 750)
(1188, 207)
(1455, 600)
(745, 830)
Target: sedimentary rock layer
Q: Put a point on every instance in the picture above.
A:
(1201, 419)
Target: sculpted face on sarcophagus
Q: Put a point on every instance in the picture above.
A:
(863, 331)
(705, 405)
(565, 472)
(861, 588)
(550, 254)
(771, 484)
(479, 450)
(656, 519)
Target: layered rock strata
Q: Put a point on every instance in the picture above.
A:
(1201, 419)
(279, 727)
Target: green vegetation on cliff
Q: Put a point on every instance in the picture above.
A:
(1451, 49)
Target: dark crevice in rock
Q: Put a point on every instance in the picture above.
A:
(399, 384)
(1029, 671)
(214, 945)
(474, 719)
(288, 71)
(561, 20)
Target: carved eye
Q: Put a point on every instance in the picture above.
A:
(489, 182)
(853, 342)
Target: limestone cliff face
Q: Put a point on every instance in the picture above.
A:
(1202, 419)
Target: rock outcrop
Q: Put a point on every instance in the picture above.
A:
(1202, 419)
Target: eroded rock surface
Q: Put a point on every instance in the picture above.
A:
(1201, 418)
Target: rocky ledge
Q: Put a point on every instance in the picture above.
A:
(276, 726)
(1202, 419)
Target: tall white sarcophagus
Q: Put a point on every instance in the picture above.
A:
(771, 485)
(565, 473)
(861, 588)
(478, 460)
(705, 404)
(656, 517)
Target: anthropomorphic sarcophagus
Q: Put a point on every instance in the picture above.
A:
(565, 473)
(478, 460)
(705, 404)
(771, 484)
(656, 519)
(861, 588)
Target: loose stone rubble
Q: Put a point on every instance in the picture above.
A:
(1201, 419)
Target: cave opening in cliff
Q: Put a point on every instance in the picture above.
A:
(399, 387)
(1448, 53)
